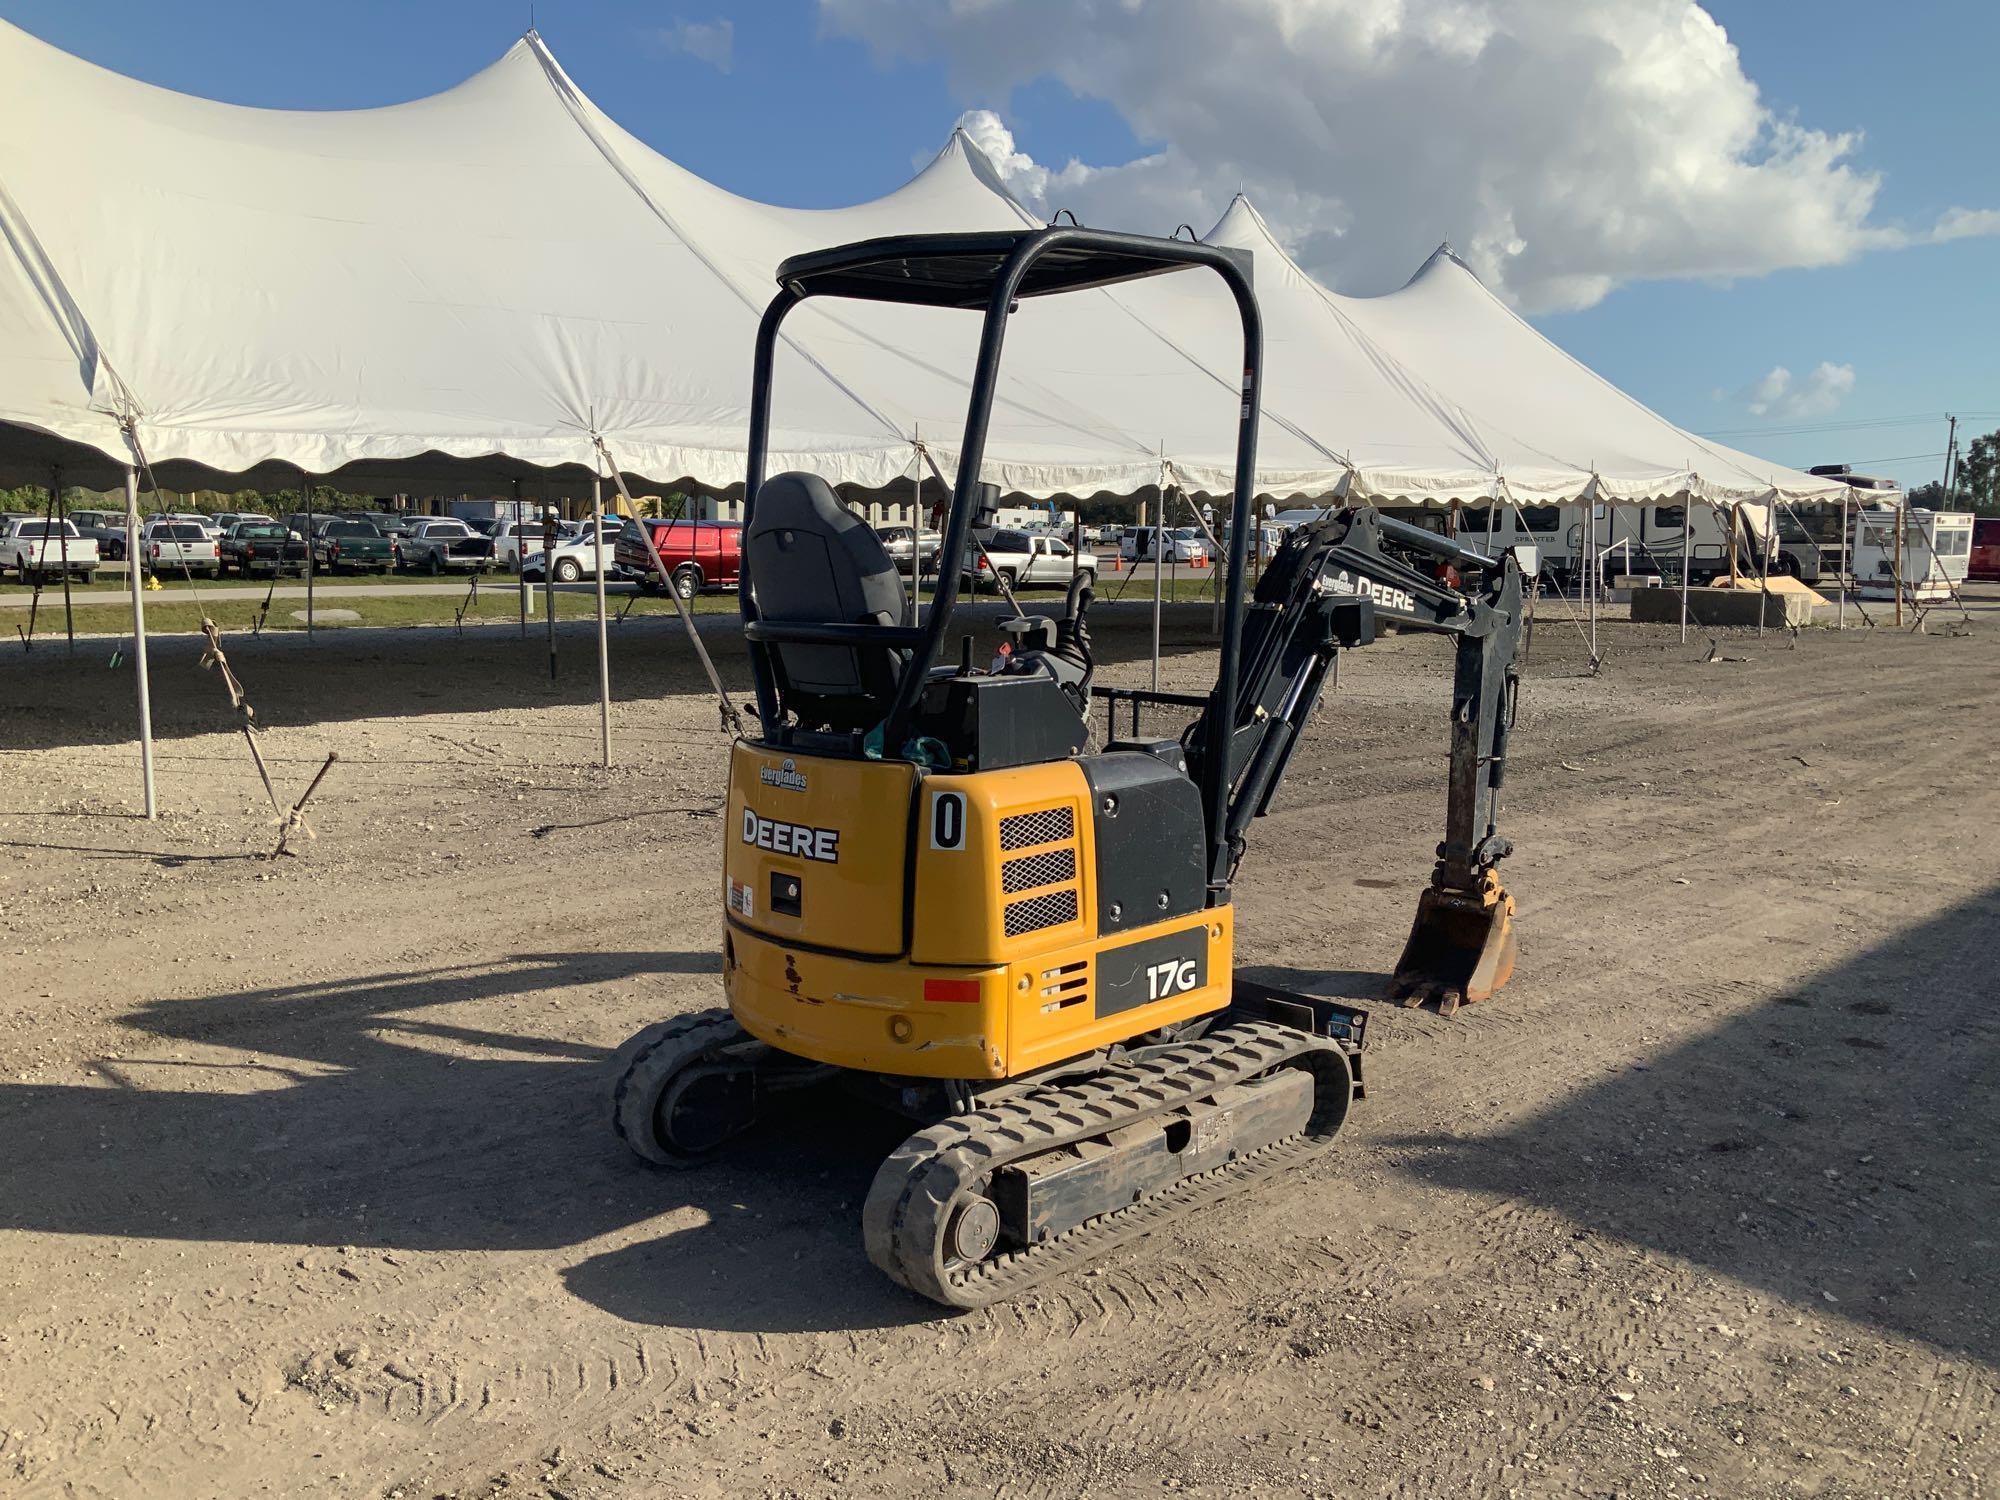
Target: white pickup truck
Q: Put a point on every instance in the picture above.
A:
(178, 547)
(36, 548)
(1025, 561)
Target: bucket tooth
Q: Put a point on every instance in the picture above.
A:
(1461, 947)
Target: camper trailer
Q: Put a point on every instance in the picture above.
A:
(1934, 548)
(1643, 539)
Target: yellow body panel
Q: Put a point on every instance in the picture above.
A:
(1002, 970)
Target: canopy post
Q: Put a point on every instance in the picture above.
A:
(1764, 559)
(1159, 539)
(1590, 579)
(521, 559)
(61, 512)
(732, 721)
(603, 638)
(1902, 525)
(139, 639)
(1687, 554)
(549, 581)
(1840, 563)
(305, 496)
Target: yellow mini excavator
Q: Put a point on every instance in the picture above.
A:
(937, 893)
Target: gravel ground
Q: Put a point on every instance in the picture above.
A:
(309, 1187)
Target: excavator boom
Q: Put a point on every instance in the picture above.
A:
(1332, 585)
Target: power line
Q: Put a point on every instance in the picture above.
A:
(1855, 424)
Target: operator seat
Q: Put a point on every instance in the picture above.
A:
(813, 561)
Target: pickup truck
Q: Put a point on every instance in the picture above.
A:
(515, 541)
(36, 548)
(698, 554)
(264, 546)
(903, 542)
(435, 546)
(1025, 561)
(177, 548)
(341, 546)
(104, 527)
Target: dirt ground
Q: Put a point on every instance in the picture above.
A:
(308, 1186)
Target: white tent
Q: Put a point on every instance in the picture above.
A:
(495, 278)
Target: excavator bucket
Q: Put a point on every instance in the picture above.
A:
(1461, 948)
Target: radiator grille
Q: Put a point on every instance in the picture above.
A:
(1023, 830)
(1050, 867)
(1037, 912)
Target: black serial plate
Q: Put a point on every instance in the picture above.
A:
(1160, 968)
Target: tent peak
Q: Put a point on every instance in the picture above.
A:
(1445, 253)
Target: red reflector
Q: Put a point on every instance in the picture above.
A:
(964, 991)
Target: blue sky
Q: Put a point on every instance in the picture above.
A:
(803, 115)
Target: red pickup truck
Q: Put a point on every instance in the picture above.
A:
(698, 554)
(1984, 565)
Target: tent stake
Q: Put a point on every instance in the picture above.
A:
(139, 638)
(603, 642)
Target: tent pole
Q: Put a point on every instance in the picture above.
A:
(549, 583)
(1764, 563)
(1687, 556)
(603, 640)
(1902, 525)
(521, 558)
(1840, 616)
(1159, 547)
(1590, 563)
(62, 515)
(139, 638)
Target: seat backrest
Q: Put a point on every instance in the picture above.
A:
(814, 561)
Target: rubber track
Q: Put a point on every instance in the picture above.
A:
(903, 1219)
(656, 1054)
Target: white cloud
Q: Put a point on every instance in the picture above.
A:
(1562, 148)
(1778, 394)
(712, 42)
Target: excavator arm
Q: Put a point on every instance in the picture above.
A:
(1332, 585)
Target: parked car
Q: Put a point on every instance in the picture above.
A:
(899, 541)
(228, 520)
(1181, 546)
(344, 546)
(430, 546)
(261, 546)
(1025, 561)
(575, 557)
(37, 547)
(178, 548)
(698, 554)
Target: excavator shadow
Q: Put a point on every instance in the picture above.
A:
(764, 1238)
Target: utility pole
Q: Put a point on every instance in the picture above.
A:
(1950, 453)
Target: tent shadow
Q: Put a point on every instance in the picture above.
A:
(1834, 1143)
(358, 1111)
(361, 1112)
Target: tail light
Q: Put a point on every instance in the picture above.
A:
(250, 550)
(333, 550)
